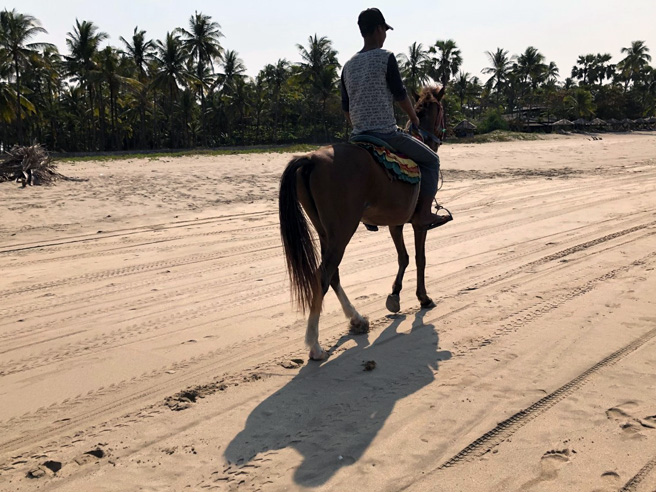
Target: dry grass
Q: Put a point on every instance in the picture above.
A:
(30, 165)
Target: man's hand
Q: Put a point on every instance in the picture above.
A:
(408, 108)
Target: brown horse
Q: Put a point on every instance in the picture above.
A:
(338, 187)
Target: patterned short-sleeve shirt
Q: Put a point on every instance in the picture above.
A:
(370, 84)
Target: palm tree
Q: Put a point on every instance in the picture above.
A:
(551, 73)
(498, 71)
(650, 91)
(202, 44)
(73, 109)
(531, 66)
(171, 73)
(447, 62)
(414, 67)
(232, 88)
(318, 55)
(258, 99)
(140, 51)
(110, 71)
(580, 103)
(46, 84)
(582, 68)
(601, 68)
(319, 71)
(233, 71)
(637, 57)
(15, 31)
(593, 68)
(461, 84)
(83, 44)
(532, 69)
(8, 99)
(8, 103)
(514, 87)
(202, 40)
(275, 76)
(569, 83)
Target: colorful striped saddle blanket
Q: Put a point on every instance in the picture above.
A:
(398, 166)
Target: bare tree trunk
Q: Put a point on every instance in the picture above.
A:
(203, 130)
(101, 116)
(19, 115)
(155, 143)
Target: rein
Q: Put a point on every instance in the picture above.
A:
(425, 136)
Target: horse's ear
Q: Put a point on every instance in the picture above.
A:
(440, 94)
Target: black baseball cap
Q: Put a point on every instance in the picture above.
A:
(372, 18)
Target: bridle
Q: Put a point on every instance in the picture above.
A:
(436, 136)
(428, 137)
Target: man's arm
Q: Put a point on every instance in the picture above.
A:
(408, 108)
(395, 83)
(345, 100)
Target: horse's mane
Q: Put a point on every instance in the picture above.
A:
(429, 95)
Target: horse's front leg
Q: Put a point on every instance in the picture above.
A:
(393, 303)
(359, 324)
(420, 258)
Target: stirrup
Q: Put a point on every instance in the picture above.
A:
(439, 207)
(370, 227)
(443, 218)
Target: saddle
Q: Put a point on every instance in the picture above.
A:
(397, 165)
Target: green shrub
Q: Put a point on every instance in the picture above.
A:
(492, 120)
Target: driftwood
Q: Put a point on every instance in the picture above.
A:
(29, 165)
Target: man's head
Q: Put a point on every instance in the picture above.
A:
(370, 21)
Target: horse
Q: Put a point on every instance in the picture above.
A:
(338, 187)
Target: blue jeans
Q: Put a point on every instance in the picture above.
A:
(427, 160)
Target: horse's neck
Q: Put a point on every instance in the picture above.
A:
(430, 118)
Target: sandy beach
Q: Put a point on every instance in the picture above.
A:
(148, 342)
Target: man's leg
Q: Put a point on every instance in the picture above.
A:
(429, 164)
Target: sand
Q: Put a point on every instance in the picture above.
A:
(147, 341)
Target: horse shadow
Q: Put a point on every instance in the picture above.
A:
(330, 413)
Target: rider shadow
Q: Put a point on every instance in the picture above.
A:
(331, 413)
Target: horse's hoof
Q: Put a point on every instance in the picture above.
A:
(318, 355)
(359, 325)
(427, 303)
(393, 303)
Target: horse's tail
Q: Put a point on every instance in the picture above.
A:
(300, 252)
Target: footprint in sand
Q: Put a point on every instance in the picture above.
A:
(550, 463)
(91, 456)
(632, 426)
(611, 478)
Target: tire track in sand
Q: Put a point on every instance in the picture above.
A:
(139, 330)
(491, 439)
(633, 484)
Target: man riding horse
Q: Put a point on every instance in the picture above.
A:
(338, 186)
(370, 84)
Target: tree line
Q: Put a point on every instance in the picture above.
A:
(187, 90)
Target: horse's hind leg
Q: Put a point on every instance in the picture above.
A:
(420, 258)
(332, 251)
(393, 302)
(359, 324)
(331, 257)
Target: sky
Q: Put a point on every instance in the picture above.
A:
(265, 31)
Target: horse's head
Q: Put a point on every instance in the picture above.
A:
(430, 112)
